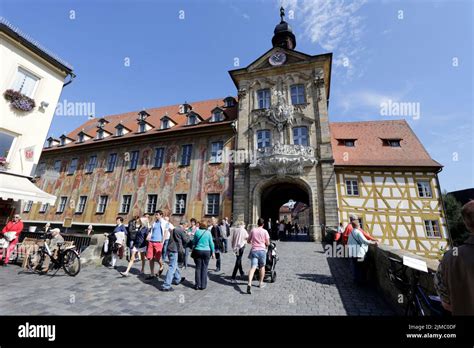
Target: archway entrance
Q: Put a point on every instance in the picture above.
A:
(274, 195)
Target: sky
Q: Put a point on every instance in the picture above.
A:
(129, 55)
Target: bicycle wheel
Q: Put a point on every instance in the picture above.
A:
(71, 262)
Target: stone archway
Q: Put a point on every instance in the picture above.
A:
(269, 195)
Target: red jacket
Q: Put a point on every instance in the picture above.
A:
(348, 230)
(13, 226)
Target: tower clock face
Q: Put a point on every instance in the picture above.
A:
(277, 58)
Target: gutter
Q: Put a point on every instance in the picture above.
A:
(72, 76)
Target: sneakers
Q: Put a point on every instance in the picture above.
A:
(249, 289)
(166, 289)
(262, 285)
(123, 274)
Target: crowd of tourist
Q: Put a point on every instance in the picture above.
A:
(157, 240)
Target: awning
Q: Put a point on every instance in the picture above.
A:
(19, 187)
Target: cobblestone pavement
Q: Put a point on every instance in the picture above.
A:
(307, 284)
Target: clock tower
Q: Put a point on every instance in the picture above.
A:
(283, 147)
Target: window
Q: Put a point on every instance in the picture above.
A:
(424, 189)
(180, 204)
(159, 156)
(349, 143)
(82, 205)
(229, 102)
(263, 96)
(391, 142)
(212, 204)
(186, 155)
(28, 206)
(432, 229)
(151, 204)
(216, 151)
(297, 95)
(72, 166)
(141, 127)
(25, 82)
(352, 187)
(102, 204)
(57, 166)
(81, 138)
(217, 116)
(43, 208)
(126, 202)
(165, 123)
(100, 134)
(119, 132)
(111, 162)
(192, 120)
(91, 164)
(263, 138)
(62, 205)
(6, 142)
(40, 169)
(300, 136)
(134, 160)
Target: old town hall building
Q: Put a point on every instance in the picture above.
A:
(245, 156)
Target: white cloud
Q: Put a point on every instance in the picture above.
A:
(335, 25)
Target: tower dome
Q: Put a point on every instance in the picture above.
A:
(283, 34)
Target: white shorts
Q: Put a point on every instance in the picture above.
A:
(139, 250)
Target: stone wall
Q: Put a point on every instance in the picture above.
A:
(379, 262)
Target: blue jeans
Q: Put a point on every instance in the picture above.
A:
(224, 244)
(164, 254)
(173, 274)
(257, 257)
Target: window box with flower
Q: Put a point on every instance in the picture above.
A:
(18, 100)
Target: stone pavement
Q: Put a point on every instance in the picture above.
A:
(307, 283)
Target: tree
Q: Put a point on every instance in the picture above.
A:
(456, 226)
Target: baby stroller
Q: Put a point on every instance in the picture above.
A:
(270, 264)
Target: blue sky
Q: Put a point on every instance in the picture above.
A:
(404, 51)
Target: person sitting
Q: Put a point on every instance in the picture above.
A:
(16, 226)
(89, 230)
(55, 239)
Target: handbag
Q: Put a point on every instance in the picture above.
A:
(194, 252)
(9, 236)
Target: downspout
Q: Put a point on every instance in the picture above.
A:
(72, 76)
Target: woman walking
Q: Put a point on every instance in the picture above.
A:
(218, 245)
(139, 245)
(202, 252)
(239, 236)
(190, 232)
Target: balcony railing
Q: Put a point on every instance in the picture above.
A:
(282, 159)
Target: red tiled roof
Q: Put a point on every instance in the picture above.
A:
(369, 149)
(129, 120)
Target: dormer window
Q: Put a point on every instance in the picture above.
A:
(185, 108)
(391, 142)
(101, 123)
(229, 102)
(141, 127)
(51, 142)
(62, 142)
(100, 134)
(142, 115)
(81, 138)
(165, 123)
(119, 131)
(192, 120)
(347, 142)
(217, 115)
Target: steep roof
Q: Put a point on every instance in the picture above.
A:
(369, 149)
(129, 120)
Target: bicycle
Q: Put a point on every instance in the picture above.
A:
(68, 259)
(418, 302)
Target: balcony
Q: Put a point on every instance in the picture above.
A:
(284, 159)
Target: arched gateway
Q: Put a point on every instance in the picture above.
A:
(269, 195)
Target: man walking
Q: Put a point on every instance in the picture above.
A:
(454, 280)
(178, 239)
(259, 239)
(155, 243)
